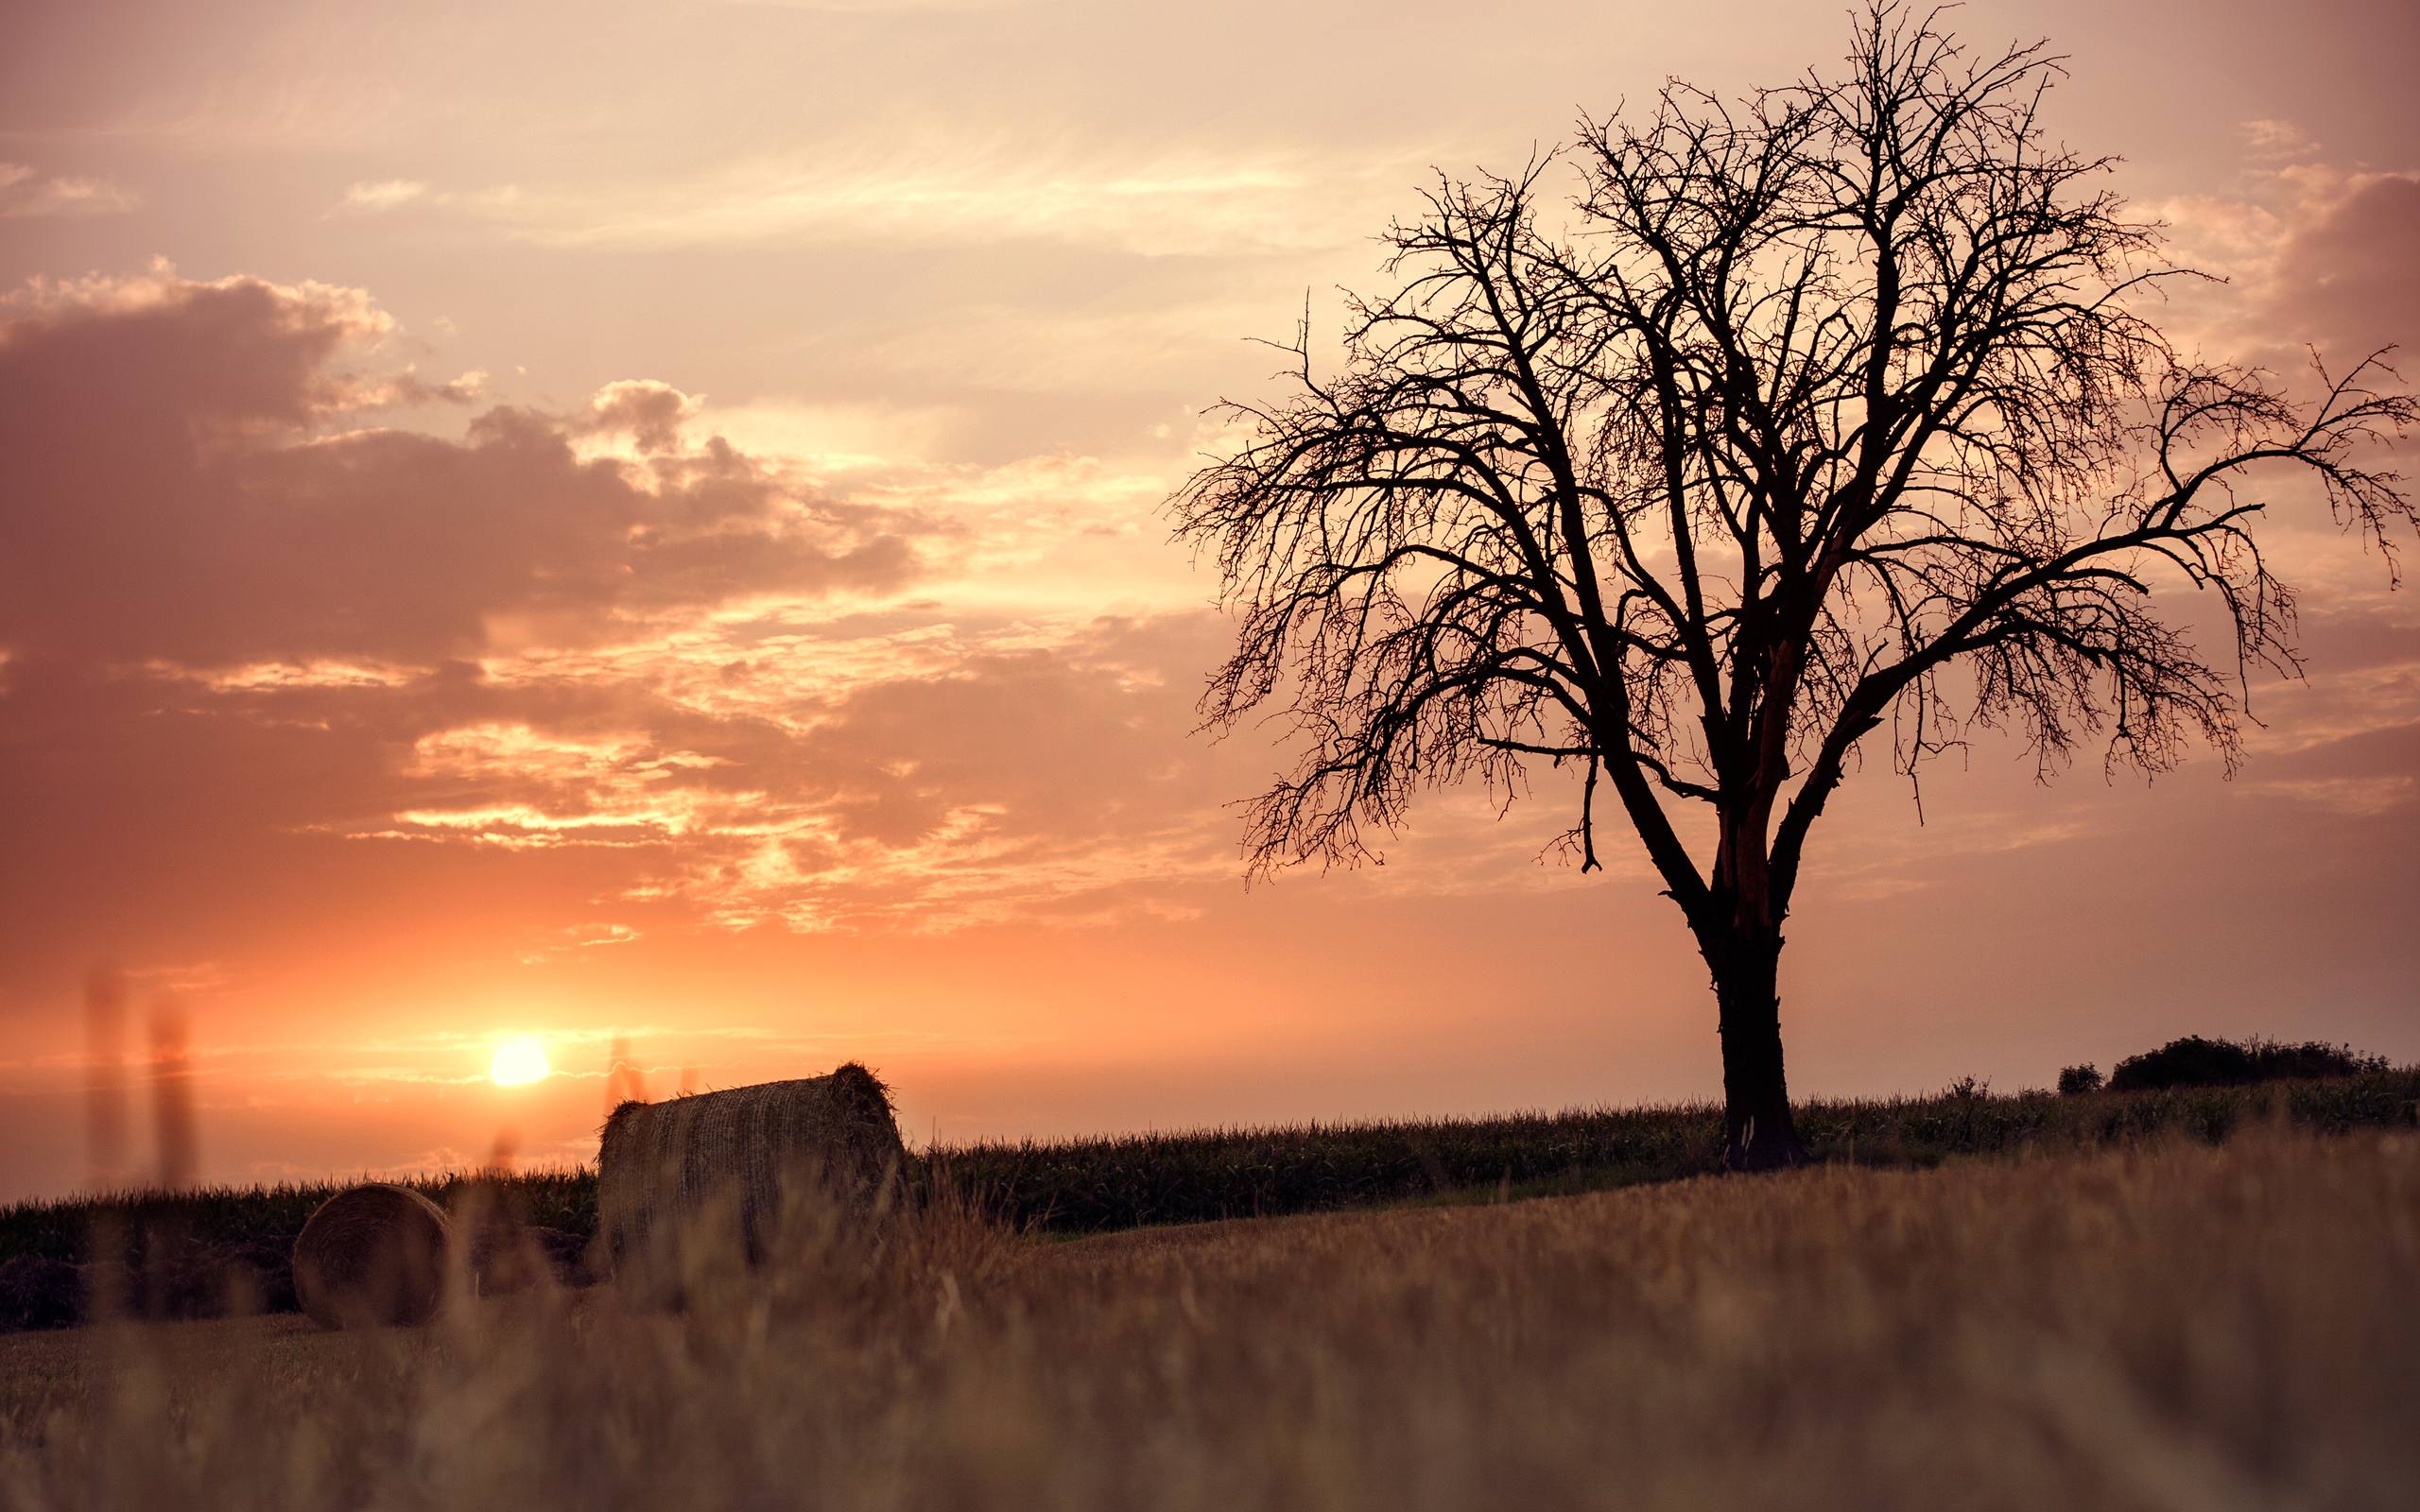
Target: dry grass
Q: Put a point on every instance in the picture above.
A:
(2178, 1326)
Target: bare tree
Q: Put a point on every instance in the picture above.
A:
(1832, 408)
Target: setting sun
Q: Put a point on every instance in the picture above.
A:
(519, 1062)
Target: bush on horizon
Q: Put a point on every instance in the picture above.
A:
(2194, 1062)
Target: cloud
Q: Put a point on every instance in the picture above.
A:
(182, 491)
(880, 7)
(2349, 274)
(677, 676)
(651, 413)
(2314, 254)
(681, 681)
(376, 195)
(1177, 200)
(852, 774)
(2276, 142)
(25, 194)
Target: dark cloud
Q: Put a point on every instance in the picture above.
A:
(2388, 757)
(178, 493)
(2349, 281)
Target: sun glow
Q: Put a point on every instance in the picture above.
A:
(519, 1062)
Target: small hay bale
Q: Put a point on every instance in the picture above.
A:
(516, 1257)
(37, 1292)
(660, 1164)
(371, 1256)
(235, 1277)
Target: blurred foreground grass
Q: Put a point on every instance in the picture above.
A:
(2167, 1324)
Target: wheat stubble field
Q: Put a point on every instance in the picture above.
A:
(2168, 1326)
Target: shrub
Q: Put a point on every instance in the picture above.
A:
(2194, 1062)
(2076, 1080)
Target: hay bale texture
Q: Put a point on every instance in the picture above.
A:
(663, 1164)
(371, 1256)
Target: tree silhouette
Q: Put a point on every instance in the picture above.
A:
(1831, 410)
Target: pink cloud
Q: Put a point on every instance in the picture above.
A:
(650, 413)
(26, 194)
(2348, 276)
(249, 644)
(178, 494)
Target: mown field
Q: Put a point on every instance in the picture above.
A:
(174, 1247)
(2165, 1324)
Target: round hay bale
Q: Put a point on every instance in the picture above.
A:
(659, 1164)
(516, 1257)
(371, 1256)
(37, 1292)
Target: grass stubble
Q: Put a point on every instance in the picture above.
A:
(2168, 1326)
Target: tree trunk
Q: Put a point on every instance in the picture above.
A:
(1759, 1133)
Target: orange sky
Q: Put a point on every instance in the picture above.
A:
(642, 523)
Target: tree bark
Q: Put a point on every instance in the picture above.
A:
(1759, 1132)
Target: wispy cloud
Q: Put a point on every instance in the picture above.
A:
(26, 194)
(878, 8)
(1174, 201)
(373, 196)
(2311, 249)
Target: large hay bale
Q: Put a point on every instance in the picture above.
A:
(662, 1164)
(371, 1256)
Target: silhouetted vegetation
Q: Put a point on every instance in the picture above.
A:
(1080, 1186)
(2074, 1081)
(170, 1255)
(2194, 1062)
(200, 1253)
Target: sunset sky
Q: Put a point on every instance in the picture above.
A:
(592, 523)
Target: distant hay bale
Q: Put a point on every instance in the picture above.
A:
(659, 1164)
(371, 1256)
(38, 1292)
(510, 1257)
